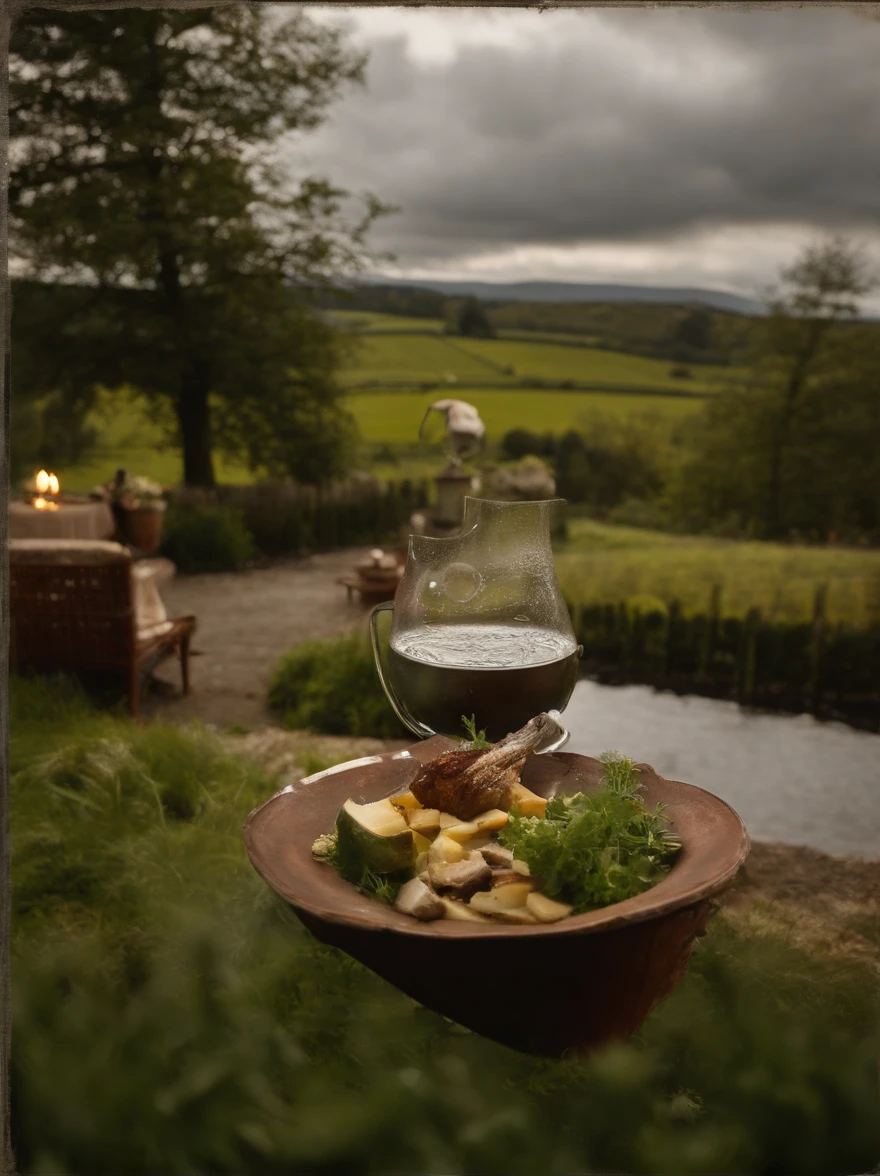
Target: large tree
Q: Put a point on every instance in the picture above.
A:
(146, 172)
(789, 448)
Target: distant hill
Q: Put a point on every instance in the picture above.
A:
(580, 292)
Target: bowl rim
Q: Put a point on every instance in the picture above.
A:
(660, 899)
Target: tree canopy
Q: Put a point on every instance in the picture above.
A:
(150, 168)
(794, 447)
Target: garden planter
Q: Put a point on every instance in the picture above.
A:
(142, 528)
(551, 989)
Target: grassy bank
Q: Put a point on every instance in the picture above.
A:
(171, 1015)
(600, 563)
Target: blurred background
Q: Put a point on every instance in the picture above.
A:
(250, 248)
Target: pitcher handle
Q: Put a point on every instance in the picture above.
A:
(397, 706)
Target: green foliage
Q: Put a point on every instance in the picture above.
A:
(201, 537)
(477, 739)
(468, 318)
(595, 848)
(332, 686)
(185, 246)
(611, 460)
(792, 450)
(174, 1017)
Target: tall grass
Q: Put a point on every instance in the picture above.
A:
(601, 564)
(172, 1016)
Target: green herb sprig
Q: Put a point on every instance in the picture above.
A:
(477, 740)
(595, 848)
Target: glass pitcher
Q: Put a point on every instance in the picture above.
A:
(479, 626)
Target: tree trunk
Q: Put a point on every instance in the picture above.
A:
(779, 442)
(194, 415)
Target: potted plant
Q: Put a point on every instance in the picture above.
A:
(138, 505)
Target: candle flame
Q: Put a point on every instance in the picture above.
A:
(42, 482)
(44, 504)
(54, 484)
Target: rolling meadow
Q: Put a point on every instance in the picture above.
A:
(397, 366)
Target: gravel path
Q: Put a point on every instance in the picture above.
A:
(245, 621)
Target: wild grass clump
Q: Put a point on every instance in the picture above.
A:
(171, 1015)
(202, 537)
(332, 686)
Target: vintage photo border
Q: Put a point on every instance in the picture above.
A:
(8, 11)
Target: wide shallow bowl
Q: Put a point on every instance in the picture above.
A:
(562, 987)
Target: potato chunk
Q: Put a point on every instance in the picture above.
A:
(424, 821)
(524, 803)
(462, 912)
(501, 898)
(444, 849)
(546, 910)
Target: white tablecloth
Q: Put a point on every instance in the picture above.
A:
(87, 520)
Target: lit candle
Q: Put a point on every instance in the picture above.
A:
(42, 482)
(53, 486)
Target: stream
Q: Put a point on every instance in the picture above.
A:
(790, 777)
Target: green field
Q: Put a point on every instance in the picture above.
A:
(487, 373)
(605, 563)
(129, 439)
(415, 359)
(365, 320)
(420, 358)
(394, 417)
(587, 365)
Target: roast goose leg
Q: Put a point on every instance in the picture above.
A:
(466, 783)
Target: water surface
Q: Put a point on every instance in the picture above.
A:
(790, 777)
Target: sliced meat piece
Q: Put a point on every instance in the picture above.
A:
(461, 879)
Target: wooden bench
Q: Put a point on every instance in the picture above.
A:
(73, 608)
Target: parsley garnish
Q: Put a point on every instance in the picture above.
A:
(478, 740)
(595, 848)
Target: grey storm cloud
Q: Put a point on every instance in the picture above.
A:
(621, 125)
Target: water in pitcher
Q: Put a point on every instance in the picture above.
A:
(503, 674)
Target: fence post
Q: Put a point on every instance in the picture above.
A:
(673, 616)
(710, 636)
(817, 642)
(745, 686)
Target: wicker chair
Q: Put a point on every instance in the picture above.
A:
(73, 608)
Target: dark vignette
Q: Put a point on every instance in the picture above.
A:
(8, 10)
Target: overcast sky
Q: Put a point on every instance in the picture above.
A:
(670, 147)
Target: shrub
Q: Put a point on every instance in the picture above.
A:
(202, 537)
(680, 372)
(332, 686)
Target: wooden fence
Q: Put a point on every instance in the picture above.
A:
(829, 670)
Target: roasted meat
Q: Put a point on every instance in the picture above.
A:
(466, 783)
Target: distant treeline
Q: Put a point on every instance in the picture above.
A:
(832, 671)
(684, 334)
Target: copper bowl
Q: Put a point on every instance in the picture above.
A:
(564, 987)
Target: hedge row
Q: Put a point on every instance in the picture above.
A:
(224, 530)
